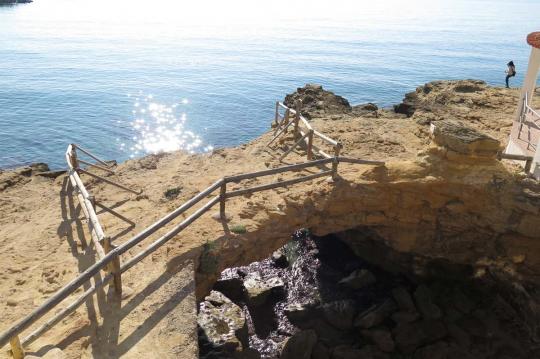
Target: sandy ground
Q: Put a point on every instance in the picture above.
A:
(44, 241)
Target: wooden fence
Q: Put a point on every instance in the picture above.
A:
(303, 133)
(109, 254)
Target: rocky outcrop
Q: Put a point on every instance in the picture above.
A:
(438, 94)
(317, 102)
(258, 289)
(223, 324)
(393, 317)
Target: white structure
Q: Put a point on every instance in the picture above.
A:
(525, 135)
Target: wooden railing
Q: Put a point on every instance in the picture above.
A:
(303, 132)
(109, 254)
(531, 119)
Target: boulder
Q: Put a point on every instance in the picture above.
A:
(409, 336)
(222, 322)
(340, 313)
(457, 137)
(380, 337)
(258, 289)
(300, 345)
(403, 299)
(424, 302)
(317, 102)
(358, 279)
(375, 315)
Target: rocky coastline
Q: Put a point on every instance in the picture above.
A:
(443, 209)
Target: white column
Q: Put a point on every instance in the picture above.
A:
(529, 83)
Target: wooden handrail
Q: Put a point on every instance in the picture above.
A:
(112, 255)
(90, 154)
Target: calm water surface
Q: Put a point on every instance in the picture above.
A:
(126, 78)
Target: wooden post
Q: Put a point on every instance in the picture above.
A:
(297, 118)
(286, 119)
(16, 347)
(222, 198)
(337, 149)
(276, 117)
(92, 200)
(74, 161)
(310, 146)
(117, 275)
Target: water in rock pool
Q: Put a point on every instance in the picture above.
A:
(126, 78)
(315, 299)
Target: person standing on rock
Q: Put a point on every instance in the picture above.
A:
(510, 72)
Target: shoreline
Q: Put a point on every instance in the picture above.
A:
(391, 108)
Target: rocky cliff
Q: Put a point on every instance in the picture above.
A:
(441, 205)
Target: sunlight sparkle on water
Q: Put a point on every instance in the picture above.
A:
(159, 128)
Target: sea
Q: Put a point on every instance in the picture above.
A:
(128, 78)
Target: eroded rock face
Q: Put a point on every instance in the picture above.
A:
(458, 137)
(437, 94)
(316, 102)
(223, 323)
(258, 289)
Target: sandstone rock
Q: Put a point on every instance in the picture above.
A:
(403, 299)
(408, 106)
(54, 353)
(51, 174)
(39, 167)
(258, 289)
(462, 139)
(424, 302)
(300, 345)
(358, 279)
(340, 313)
(380, 337)
(375, 315)
(317, 102)
(223, 322)
(23, 171)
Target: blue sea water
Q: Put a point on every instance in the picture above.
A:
(125, 78)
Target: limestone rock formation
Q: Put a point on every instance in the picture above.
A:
(258, 289)
(316, 102)
(223, 323)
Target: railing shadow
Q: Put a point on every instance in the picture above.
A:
(86, 257)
